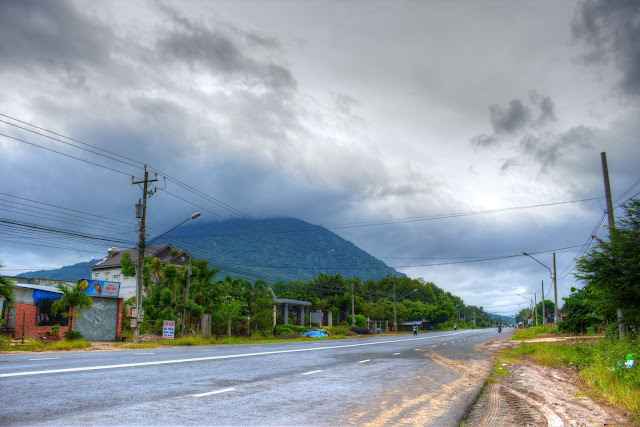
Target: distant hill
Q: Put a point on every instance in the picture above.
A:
(286, 249)
(69, 272)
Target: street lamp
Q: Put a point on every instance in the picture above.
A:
(555, 285)
(395, 301)
(141, 247)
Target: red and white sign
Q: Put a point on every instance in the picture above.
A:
(168, 329)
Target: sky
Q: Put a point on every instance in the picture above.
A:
(480, 123)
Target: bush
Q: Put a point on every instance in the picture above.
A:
(361, 321)
(73, 335)
(361, 331)
(339, 330)
(290, 329)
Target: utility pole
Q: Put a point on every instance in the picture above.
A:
(535, 307)
(141, 212)
(395, 301)
(544, 314)
(622, 328)
(555, 291)
(353, 306)
(186, 298)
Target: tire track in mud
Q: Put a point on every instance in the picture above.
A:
(490, 418)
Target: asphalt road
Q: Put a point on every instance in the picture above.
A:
(431, 378)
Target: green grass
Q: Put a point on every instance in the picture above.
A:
(137, 346)
(534, 332)
(597, 363)
(33, 345)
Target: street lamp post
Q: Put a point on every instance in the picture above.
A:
(141, 247)
(555, 285)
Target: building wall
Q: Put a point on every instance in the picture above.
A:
(29, 313)
(26, 315)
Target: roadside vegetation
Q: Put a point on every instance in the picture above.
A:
(31, 344)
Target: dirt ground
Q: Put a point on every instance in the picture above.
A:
(535, 395)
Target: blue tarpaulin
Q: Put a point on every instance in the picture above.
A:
(39, 296)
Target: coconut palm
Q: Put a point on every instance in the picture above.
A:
(73, 301)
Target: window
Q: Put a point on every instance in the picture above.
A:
(116, 277)
(44, 315)
(97, 275)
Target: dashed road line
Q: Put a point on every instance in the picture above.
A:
(47, 358)
(365, 361)
(226, 390)
(312, 372)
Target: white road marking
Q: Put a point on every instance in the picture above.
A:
(365, 361)
(202, 359)
(312, 372)
(143, 353)
(433, 346)
(417, 349)
(226, 390)
(255, 347)
(395, 354)
(47, 358)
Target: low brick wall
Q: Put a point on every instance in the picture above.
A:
(31, 327)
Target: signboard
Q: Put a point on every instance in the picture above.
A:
(99, 288)
(168, 329)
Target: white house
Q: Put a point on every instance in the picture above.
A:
(109, 268)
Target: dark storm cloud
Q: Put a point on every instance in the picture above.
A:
(516, 118)
(199, 46)
(545, 153)
(50, 34)
(612, 31)
(511, 119)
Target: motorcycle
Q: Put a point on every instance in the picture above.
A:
(499, 329)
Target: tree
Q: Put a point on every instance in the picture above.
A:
(7, 291)
(611, 270)
(73, 301)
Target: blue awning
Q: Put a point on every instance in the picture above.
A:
(39, 296)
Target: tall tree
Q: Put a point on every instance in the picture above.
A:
(611, 270)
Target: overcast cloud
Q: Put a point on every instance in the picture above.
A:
(333, 112)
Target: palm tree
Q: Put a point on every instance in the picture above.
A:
(74, 301)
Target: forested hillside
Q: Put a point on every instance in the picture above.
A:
(282, 249)
(68, 272)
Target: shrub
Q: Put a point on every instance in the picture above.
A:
(290, 329)
(361, 331)
(73, 335)
(339, 330)
(361, 321)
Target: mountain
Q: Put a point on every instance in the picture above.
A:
(69, 272)
(286, 249)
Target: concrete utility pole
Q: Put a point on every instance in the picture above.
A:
(186, 298)
(535, 307)
(544, 314)
(353, 306)
(141, 212)
(555, 290)
(395, 301)
(622, 328)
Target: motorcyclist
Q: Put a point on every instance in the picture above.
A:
(415, 329)
(499, 326)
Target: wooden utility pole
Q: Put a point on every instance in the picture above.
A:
(141, 212)
(622, 328)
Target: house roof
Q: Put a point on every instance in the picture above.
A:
(158, 251)
(39, 287)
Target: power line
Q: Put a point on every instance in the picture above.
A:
(66, 155)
